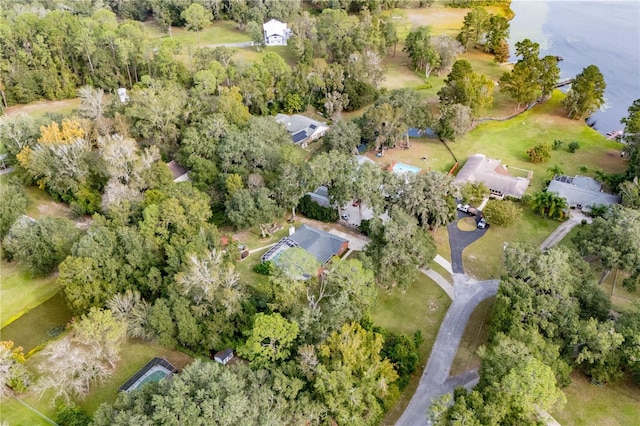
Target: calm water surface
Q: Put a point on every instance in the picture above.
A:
(603, 33)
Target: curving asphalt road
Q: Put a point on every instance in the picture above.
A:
(435, 379)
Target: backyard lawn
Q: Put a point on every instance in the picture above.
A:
(39, 325)
(422, 307)
(19, 292)
(134, 355)
(215, 33)
(604, 405)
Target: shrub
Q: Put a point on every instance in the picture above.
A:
(365, 227)
(72, 415)
(502, 213)
(264, 268)
(557, 144)
(313, 210)
(423, 86)
(539, 153)
(573, 146)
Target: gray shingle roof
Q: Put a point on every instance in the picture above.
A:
(300, 127)
(322, 245)
(581, 191)
(494, 175)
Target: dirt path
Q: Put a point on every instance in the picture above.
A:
(43, 106)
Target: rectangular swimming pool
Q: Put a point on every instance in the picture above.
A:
(154, 371)
(405, 168)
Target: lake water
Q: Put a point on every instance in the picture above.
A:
(602, 33)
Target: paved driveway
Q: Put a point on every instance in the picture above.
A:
(458, 240)
(435, 379)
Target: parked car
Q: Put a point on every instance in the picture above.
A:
(482, 224)
(473, 211)
(356, 203)
(345, 216)
(463, 207)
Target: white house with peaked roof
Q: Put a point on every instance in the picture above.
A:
(494, 175)
(275, 33)
(302, 129)
(581, 192)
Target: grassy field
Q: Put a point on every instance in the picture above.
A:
(475, 335)
(422, 308)
(19, 292)
(603, 405)
(134, 354)
(35, 327)
(14, 413)
(216, 33)
(41, 109)
(483, 258)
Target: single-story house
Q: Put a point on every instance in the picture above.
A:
(302, 129)
(275, 33)
(180, 174)
(321, 196)
(494, 175)
(322, 245)
(223, 356)
(581, 192)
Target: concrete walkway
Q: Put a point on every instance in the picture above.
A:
(262, 248)
(444, 263)
(435, 379)
(441, 281)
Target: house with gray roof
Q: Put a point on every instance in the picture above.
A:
(302, 129)
(322, 245)
(179, 173)
(321, 196)
(581, 192)
(494, 175)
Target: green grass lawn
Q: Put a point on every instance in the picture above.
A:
(483, 258)
(20, 292)
(475, 335)
(603, 405)
(509, 141)
(422, 307)
(13, 413)
(441, 237)
(215, 33)
(34, 328)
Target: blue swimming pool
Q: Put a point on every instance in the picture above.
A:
(405, 168)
